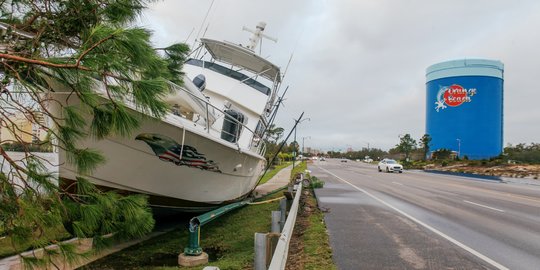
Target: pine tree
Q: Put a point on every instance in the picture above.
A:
(406, 145)
(75, 45)
(425, 144)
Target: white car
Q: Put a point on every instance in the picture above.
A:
(389, 165)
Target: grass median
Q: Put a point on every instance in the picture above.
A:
(229, 240)
(271, 173)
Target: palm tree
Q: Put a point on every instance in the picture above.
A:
(274, 133)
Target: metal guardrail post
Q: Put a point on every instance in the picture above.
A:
(279, 259)
(283, 210)
(276, 218)
(260, 251)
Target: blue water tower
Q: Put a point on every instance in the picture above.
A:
(464, 107)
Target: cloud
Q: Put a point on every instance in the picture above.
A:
(358, 63)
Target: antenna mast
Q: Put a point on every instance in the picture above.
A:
(257, 35)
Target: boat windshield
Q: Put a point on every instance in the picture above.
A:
(231, 73)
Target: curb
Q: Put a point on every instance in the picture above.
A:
(470, 175)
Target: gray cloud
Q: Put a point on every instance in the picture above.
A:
(357, 61)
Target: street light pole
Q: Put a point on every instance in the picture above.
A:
(458, 147)
(300, 120)
(307, 137)
(294, 150)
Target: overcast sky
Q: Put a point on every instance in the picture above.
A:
(358, 70)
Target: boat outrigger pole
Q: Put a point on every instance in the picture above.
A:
(274, 112)
(280, 147)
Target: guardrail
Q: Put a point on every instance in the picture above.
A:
(279, 259)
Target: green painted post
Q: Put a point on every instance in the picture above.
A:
(193, 248)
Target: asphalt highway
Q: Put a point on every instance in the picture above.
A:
(418, 220)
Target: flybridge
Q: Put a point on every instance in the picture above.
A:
(242, 57)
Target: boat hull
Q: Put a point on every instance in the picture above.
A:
(177, 166)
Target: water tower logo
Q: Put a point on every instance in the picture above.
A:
(453, 96)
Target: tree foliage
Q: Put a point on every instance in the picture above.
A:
(274, 133)
(406, 145)
(424, 144)
(89, 50)
(374, 153)
(523, 152)
(442, 154)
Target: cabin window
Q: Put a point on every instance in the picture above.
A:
(232, 74)
(232, 125)
(200, 82)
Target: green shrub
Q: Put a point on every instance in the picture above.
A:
(316, 183)
(442, 154)
(29, 147)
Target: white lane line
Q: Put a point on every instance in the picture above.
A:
(485, 206)
(443, 235)
(397, 183)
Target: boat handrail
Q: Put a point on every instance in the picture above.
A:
(255, 141)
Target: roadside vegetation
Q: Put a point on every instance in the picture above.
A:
(229, 240)
(316, 182)
(37, 146)
(519, 161)
(310, 244)
(299, 167)
(8, 248)
(273, 171)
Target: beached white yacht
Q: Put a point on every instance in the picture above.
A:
(208, 150)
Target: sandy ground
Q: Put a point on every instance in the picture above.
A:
(506, 170)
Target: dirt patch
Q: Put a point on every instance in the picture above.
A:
(296, 256)
(505, 170)
(310, 246)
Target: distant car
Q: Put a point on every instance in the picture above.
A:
(343, 160)
(389, 165)
(322, 159)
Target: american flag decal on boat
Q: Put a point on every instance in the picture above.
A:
(167, 149)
